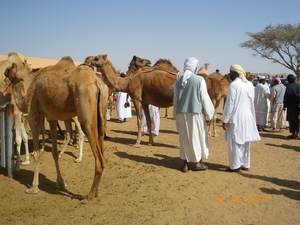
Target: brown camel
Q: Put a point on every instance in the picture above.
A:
(162, 64)
(137, 63)
(61, 92)
(145, 86)
(217, 86)
(6, 96)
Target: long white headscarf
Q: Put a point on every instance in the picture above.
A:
(237, 68)
(190, 66)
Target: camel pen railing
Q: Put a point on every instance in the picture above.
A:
(7, 140)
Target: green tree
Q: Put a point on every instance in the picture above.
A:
(280, 44)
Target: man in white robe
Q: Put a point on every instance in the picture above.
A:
(192, 110)
(261, 103)
(155, 120)
(239, 120)
(123, 110)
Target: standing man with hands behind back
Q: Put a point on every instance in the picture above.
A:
(239, 120)
(192, 110)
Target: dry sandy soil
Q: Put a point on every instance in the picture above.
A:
(145, 185)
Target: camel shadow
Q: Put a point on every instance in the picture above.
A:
(292, 184)
(174, 163)
(295, 148)
(25, 177)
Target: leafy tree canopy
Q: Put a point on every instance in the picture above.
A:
(280, 44)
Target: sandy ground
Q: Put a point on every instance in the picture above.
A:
(145, 185)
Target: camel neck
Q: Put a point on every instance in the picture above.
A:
(120, 84)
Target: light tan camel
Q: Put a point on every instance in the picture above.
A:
(61, 92)
(145, 86)
(6, 96)
(222, 89)
(224, 84)
(203, 69)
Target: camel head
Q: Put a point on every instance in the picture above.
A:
(16, 72)
(137, 63)
(249, 76)
(88, 60)
(97, 61)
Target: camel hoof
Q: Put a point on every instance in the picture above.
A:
(137, 145)
(60, 185)
(17, 169)
(26, 163)
(77, 160)
(85, 201)
(32, 190)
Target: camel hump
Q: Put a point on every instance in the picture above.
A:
(66, 58)
(12, 54)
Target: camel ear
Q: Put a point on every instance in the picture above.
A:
(134, 57)
(9, 69)
(105, 56)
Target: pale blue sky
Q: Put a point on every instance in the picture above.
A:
(211, 30)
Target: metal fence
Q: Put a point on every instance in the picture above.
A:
(7, 138)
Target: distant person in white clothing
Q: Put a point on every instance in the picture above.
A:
(123, 106)
(155, 120)
(261, 103)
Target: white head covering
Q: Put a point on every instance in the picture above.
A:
(261, 77)
(190, 66)
(240, 71)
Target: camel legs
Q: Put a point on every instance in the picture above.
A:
(53, 130)
(214, 120)
(137, 106)
(97, 149)
(166, 113)
(35, 123)
(68, 135)
(81, 139)
(21, 134)
(148, 119)
(93, 122)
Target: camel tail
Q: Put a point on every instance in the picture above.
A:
(101, 120)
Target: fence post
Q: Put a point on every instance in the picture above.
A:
(2, 136)
(9, 140)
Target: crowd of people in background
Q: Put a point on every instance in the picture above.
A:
(278, 104)
(193, 110)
